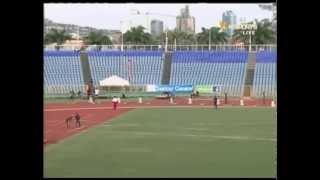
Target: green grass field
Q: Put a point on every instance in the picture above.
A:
(172, 142)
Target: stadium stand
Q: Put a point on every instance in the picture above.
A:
(63, 69)
(210, 67)
(140, 67)
(265, 79)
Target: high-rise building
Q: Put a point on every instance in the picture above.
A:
(230, 18)
(156, 27)
(185, 22)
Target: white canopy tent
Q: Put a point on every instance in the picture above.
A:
(114, 81)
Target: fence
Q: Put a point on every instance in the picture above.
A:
(62, 90)
(194, 47)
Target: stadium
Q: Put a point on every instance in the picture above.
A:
(165, 123)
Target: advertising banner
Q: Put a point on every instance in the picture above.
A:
(204, 88)
(183, 88)
(164, 88)
(173, 88)
(208, 88)
(151, 88)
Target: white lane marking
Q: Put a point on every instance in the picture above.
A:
(196, 135)
(198, 129)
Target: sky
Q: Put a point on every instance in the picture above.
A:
(109, 16)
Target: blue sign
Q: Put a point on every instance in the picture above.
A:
(175, 88)
(184, 88)
(164, 88)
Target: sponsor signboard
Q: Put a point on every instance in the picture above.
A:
(208, 88)
(169, 88)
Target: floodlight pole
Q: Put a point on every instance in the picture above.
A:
(121, 35)
(166, 46)
(250, 42)
(209, 39)
(175, 44)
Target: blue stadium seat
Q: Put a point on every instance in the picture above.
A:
(210, 67)
(265, 74)
(146, 66)
(63, 68)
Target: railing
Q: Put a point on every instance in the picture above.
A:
(171, 47)
(61, 90)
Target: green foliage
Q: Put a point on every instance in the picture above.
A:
(97, 38)
(56, 36)
(214, 33)
(136, 35)
(263, 35)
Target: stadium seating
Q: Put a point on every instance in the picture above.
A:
(265, 78)
(210, 67)
(145, 66)
(63, 69)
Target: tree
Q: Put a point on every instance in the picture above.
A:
(136, 35)
(180, 37)
(203, 36)
(216, 36)
(263, 35)
(97, 38)
(56, 36)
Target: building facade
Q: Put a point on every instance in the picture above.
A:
(156, 27)
(185, 22)
(230, 18)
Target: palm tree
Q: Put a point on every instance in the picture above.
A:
(214, 33)
(263, 35)
(180, 37)
(203, 37)
(136, 35)
(97, 38)
(218, 37)
(56, 36)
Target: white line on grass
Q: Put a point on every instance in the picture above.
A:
(198, 129)
(233, 124)
(121, 125)
(196, 135)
